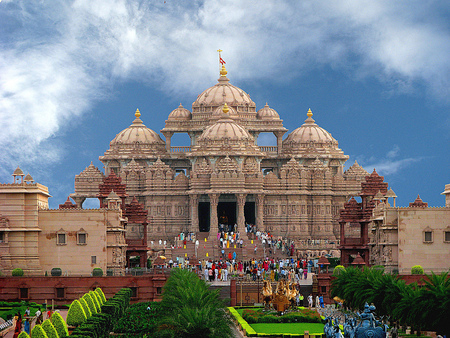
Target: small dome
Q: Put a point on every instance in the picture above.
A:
(267, 113)
(137, 133)
(18, 172)
(225, 128)
(180, 113)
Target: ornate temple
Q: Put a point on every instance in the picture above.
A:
(294, 189)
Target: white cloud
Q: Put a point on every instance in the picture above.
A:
(57, 59)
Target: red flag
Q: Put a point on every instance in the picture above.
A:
(221, 60)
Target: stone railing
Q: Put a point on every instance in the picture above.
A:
(180, 149)
(269, 149)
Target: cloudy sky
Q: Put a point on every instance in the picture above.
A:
(376, 74)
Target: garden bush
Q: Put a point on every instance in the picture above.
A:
(137, 319)
(49, 329)
(102, 295)
(56, 272)
(303, 316)
(76, 314)
(95, 300)
(85, 306)
(97, 272)
(417, 270)
(18, 272)
(338, 269)
(38, 332)
(60, 325)
(87, 297)
(23, 334)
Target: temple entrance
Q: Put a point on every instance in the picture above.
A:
(250, 213)
(226, 213)
(203, 217)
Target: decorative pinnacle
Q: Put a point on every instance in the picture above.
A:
(309, 113)
(223, 71)
(137, 113)
(225, 108)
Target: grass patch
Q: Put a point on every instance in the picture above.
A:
(292, 328)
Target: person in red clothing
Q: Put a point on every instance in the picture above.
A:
(230, 256)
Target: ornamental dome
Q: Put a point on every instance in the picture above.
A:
(136, 141)
(180, 113)
(312, 141)
(267, 113)
(223, 92)
(225, 136)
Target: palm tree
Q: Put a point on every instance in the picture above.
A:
(192, 309)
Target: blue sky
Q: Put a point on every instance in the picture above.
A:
(376, 75)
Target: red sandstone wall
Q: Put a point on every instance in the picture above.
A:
(41, 289)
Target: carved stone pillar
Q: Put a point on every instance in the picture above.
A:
(260, 212)
(168, 135)
(279, 136)
(214, 221)
(241, 216)
(193, 199)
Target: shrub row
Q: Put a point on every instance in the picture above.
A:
(100, 324)
(305, 316)
(82, 309)
(248, 330)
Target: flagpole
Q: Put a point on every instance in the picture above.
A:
(220, 56)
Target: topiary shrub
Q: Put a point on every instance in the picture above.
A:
(76, 314)
(95, 300)
(23, 334)
(85, 306)
(102, 295)
(338, 269)
(49, 329)
(56, 272)
(60, 325)
(99, 298)
(417, 270)
(97, 272)
(90, 303)
(18, 272)
(38, 332)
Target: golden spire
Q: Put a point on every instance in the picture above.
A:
(309, 113)
(225, 108)
(137, 113)
(223, 71)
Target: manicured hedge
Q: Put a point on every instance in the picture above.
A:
(247, 328)
(56, 272)
(49, 329)
(17, 272)
(38, 332)
(76, 314)
(97, 272)
(87, 297)
(102, 295)
(60, 325)
(23, 334)
(95, 300)
(257, 316)
(85, 306)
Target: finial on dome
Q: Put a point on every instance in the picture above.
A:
(309, 113)
(137, 113)
(225, 108)
(223, 71)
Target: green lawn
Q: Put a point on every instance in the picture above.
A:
(281, 328)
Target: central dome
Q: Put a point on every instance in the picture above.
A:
(221, 93)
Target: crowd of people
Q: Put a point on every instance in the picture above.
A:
(24, 323)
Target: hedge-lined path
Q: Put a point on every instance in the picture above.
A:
(63, 314)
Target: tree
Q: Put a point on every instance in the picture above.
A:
(191, 308)
(76, 314)
(60, 325)
(49, 329)
(38, 332)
